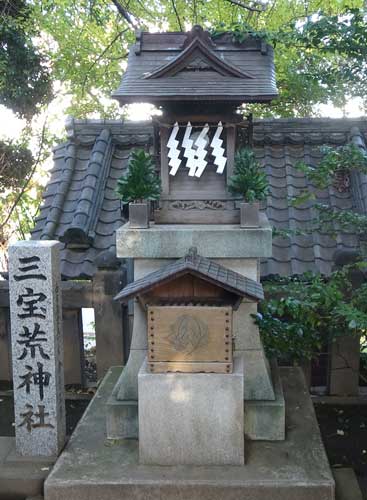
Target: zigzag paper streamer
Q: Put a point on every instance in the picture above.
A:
(189, 151)
(218, 151)
(173, 151)
(201, 152)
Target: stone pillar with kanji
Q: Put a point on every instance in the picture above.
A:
(37, 349)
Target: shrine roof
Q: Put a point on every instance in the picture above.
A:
(194, 66)
(201, 267)
(96, 154)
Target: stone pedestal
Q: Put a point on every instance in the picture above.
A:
(172, 241)
(294, 469)
(234, 247)
(231, 246)
(191, 418)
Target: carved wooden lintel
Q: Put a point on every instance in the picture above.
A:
(197, 204)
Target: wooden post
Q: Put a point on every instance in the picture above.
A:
(107, 282)
(73, 347)
(344, 366)
(5, 364)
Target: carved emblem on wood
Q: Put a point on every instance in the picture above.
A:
(188, 334)
(198, 205)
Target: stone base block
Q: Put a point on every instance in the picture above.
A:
(93, 468)
(20, 476)
(257, 384)
(347, 487)
(265, 420)
(191, 418)
(172, 241)
(121, 419)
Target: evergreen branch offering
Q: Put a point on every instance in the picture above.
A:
(248, 179)
(140, 183)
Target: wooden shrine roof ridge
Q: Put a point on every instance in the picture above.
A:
(201, 267)
(195, 66)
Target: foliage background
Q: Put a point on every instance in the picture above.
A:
(68, 56)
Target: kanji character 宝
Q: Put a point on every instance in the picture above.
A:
(29, 302)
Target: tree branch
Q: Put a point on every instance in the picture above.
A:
(247, 7)
(101, 55)
(177, 16)
(25, 185)
(125, 14)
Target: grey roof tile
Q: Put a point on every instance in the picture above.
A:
(278, 145)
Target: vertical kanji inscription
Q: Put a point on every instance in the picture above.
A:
(37, 351)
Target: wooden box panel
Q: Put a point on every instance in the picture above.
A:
(188, 367)
(190, 338)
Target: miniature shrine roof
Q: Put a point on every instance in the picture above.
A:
(201, 267)
(96, 154)
(194, 66)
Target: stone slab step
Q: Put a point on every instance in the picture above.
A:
(20, 478)
(347, 487)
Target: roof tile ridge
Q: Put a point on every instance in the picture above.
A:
(101, 182)
(358, 179)
(78, 232)
(356, 137)
(54, 214)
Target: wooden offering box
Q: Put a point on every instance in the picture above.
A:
(189, 305)
(190, 339)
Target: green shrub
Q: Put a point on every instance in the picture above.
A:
(140, 181)
(248, 180)
(300, 314)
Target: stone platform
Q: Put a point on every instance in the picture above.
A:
(93, 468)
(20, 477)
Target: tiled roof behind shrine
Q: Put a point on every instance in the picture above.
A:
(81, 209)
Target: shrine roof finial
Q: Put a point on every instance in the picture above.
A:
(192, 254)
(197, 31)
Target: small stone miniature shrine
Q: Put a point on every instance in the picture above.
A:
(198, 390)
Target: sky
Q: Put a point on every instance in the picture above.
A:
(11, 126)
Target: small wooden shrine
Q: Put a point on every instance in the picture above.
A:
(198, 82)
(189, 306)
